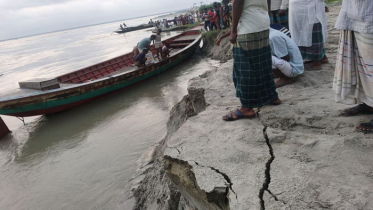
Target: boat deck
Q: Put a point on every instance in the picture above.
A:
(116, 66)
(27, 92)
(187, 38)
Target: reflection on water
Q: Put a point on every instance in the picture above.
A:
(83, 158)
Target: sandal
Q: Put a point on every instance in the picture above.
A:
(238, 115)
(365, 127)
(359, 109)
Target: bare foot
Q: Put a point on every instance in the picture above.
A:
(313, 65)
(276, 102)
(282, 82)
(275, 75)
(324, 60)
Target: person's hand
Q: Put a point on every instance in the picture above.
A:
(282, 12)
(327, 9)
(233, 37)
(218, 42)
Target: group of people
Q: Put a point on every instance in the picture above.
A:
(185, 19)
(141, 50)
(262, 53)
(160, 24)
(218, 16)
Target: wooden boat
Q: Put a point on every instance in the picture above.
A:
(135, 28)
(96, 81)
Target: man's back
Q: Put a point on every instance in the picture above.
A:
(144, 43)
(282, 45)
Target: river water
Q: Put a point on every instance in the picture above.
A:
(83, 158)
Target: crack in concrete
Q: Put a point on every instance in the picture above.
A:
(176, 149)
(275, 197)
(226, 177)
(267, 172)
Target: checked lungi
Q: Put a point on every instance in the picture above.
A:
(317, 51)
(353, 77)
(252, 70)
(279, 19)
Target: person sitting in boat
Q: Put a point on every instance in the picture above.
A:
(141, 58)
(166, 49)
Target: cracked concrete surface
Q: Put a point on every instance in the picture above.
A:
(321, 161)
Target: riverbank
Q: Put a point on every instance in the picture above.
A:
(299, 155)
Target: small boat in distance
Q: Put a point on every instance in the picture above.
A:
(124, 29)
(93, 82)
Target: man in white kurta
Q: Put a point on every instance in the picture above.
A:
(308, 28)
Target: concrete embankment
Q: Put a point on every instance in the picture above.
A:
(299, 155)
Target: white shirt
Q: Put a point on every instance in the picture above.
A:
(303, 14)
(282, 45)
(356, 15)
(254, 17)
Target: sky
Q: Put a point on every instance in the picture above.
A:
(20, 18)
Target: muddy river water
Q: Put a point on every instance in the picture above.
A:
(83, 158)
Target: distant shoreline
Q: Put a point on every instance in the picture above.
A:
(67, 29)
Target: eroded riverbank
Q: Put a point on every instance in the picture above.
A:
(299, 155)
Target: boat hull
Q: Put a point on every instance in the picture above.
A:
(63, 100)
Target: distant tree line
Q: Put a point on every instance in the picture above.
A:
(204, 6)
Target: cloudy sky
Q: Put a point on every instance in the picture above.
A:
(26, 17)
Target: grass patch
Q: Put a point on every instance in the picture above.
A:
(332, 1)
(181, 28)
(211, 36)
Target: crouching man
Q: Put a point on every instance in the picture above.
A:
(287, 61)
(141, 58)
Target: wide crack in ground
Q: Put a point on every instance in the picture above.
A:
(267, 172)
(226, 177)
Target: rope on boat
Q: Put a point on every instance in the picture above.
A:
(22, 119)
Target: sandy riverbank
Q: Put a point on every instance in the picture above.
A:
(320, 161)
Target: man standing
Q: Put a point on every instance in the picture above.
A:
(225, 13)
(279, 12)
(252, 70)
(307, 22)
(217, 15)
(353, 77)
(212, 19)
(206, 18)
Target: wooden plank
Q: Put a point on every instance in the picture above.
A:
(4, 130)
(187, 38)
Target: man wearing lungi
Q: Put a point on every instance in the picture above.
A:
(279, 12)
(252, 69)
(307, 24)
(353, 77)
